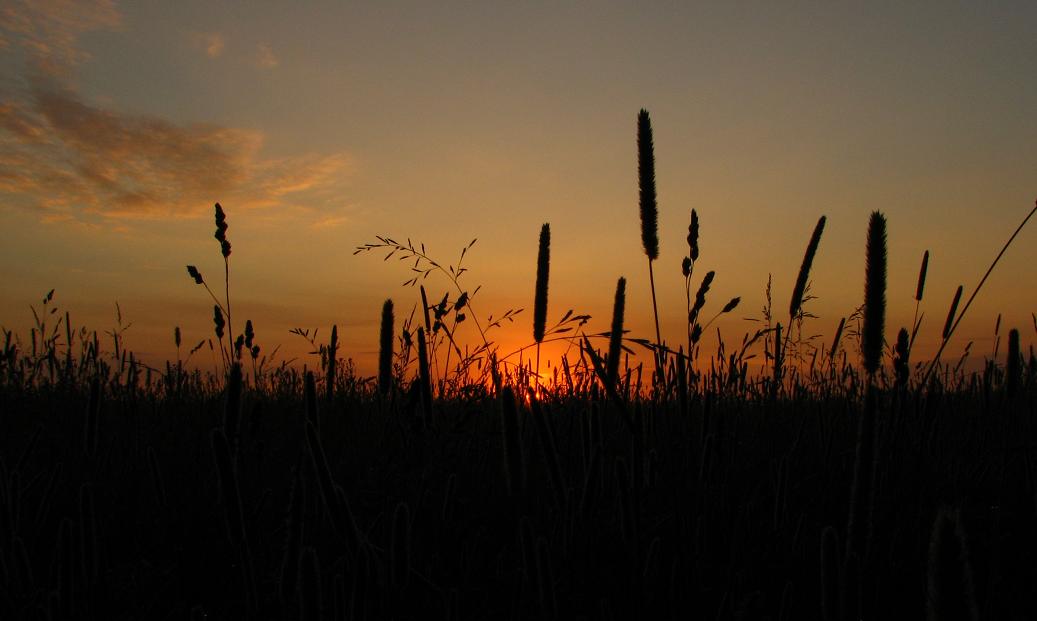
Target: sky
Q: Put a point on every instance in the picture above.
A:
(320, 125)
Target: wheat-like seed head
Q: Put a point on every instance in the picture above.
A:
(540, 295)
(874, 294)
(804, 268)
(646, 185)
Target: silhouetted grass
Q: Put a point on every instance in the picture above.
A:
(814, 488)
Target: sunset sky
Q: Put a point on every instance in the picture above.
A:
(320, 125)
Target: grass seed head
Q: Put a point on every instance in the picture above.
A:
(921, 277)
(804, 268)
(646, 185)
(540, 296)
(872, 339)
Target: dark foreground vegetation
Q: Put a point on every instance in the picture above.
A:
(177, 498)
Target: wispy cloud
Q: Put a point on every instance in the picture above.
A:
(329, 222)
(60, 153)
(212, 42)
(265, 57)
(48, 30)
(76, 160)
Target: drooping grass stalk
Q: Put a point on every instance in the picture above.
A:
(221, 236)
(540, 294)
(919, 290)
(219, 325)
(649, 220)
(872, 339)
(796, 303)
(616, 334)
(799, 290)
(385, 349)
(688, 266)
(954, 326)
(700, 301)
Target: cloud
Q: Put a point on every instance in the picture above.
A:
(62, 155)
(265, 57)
(212, 42)
(73, 160)
(330, 222)
(48, 30)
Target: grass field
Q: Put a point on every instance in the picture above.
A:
(779, 479)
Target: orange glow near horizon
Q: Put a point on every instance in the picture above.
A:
(121, 124)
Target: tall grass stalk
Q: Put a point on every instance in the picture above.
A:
(649, 221)
(688, 267)
(616, 334)
(385, 349)
(540, 294)
(919, 290)
(872, 339)
(221, 236)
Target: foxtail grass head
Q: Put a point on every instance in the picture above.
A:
(921, 277)
(874, 294)
(540, 296)
(616, 334)
(804, 269)
(951, 313)
(646, 184)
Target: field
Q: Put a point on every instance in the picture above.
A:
(835, 481)
(176, 497)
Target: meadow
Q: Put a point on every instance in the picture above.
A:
(774, 478)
